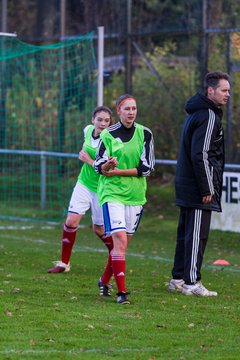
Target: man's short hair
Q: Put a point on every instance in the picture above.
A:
(212, 79)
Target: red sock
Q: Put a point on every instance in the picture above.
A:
(107, 274)
(108, 241)
(119, 268)
(68, 239)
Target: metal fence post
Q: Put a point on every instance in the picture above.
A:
(43, 180)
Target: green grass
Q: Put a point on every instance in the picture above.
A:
(46, 316)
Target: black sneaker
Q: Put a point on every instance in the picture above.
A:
(122, 298)
(105, 290)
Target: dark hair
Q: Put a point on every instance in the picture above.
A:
(212, 79)
(105, 109)
(122, 98)
(102, 108)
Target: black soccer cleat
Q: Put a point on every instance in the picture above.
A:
(105, 290)
(122, 298)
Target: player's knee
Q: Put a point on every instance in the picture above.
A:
(98, 230)
(120, 244)
(72, 221)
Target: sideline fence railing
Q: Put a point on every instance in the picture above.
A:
(43, 155)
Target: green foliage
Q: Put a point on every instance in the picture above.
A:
(217, 58)
(165, 15)
(161, 95)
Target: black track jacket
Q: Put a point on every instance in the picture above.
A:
(201, 155)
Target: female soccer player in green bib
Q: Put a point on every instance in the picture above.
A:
(125, 158)
(84, 194)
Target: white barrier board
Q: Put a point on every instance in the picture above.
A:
(229, 219)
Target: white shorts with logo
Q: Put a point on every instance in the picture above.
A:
(82, 200)
(119, 217)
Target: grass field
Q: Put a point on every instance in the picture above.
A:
(47, 316)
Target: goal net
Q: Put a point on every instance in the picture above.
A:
(47, 94)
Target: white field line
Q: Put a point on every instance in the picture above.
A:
(11, 227)
(76, 352)
(30, 227)
(78, 248)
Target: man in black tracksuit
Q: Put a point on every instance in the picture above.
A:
(199, 182)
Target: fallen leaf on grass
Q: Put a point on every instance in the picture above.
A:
(50, 340)
(32, 342)
(8, 313)
(89, 327)
(138, 316)
(16, 290)
(86, 316)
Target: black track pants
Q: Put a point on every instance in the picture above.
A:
(192, 236)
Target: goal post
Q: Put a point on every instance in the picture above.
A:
(100, 64)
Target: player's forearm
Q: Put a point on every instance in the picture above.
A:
(129, 172)
(125, 172)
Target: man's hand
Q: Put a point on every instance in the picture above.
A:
(207, 199)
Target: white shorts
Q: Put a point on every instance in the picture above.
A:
(119, 217)
(82, 200)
